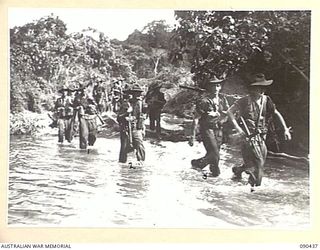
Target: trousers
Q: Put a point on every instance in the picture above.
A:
(65, 129)
(87, 132)
(137, 143)
(254, 154)
(212, 140)
(155, 120)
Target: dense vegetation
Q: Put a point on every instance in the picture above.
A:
(232, 45)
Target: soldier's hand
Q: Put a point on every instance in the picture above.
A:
(129, 118)
(191, 141)
(287, 134)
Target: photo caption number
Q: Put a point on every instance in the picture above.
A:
(306, 246)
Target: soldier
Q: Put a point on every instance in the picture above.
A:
(155, 100)
(210, 114)
(116, 95)
(64, 113)
(255, 111)
(131, 121)
(87, 115)
(100, 96)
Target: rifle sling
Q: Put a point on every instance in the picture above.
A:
(263, 103)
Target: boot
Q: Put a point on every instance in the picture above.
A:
(194, 164)
(197, 164)
(252, 179)
(215, 170)
(237, 171)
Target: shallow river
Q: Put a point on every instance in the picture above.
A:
(53, 184)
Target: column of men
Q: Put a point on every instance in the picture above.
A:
(70, 109)
(249, 115)
(88, 103)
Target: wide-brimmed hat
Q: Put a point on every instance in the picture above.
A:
(156, 85)
(260, 80)
(134, 88)
(215, 80)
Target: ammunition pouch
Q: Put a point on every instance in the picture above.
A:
(258, 135)
(68, 111)
(140, 123)
(91, 109)
(80, 110)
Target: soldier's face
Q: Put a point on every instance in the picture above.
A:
(256, 91)
(215, 88)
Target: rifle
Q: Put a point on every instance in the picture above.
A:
(54, 122)
(124, 119)
(129, 127)
(193, 88)
(100, 118)
(50, 116)
(130, 133)
(250, 136)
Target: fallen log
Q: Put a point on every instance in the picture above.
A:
(287, 156)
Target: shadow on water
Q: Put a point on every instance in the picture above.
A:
(59, 184)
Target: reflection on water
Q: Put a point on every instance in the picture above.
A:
(60, 185)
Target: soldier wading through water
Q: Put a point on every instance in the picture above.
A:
(155, 100)
(87, 115)
(210, 114)
(255, 111)
(131, 121)
(64, 113)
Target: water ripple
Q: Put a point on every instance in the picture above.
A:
(59, 184)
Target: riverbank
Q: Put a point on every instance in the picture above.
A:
(36, 124)
(29, 123)
(174, 128)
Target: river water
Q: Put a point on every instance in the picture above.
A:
(53, 184)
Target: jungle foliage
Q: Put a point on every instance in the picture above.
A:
(228, 44)
(240, 43)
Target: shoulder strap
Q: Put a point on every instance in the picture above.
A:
(216, 107)
(263, 104)
(224, 100)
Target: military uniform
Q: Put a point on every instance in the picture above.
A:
(100, 97)
(254, 150)
(210, 128)
(155, 100)
(255, 111)
(115, 95)
(64, 114)
(131, 120)
(87, 115)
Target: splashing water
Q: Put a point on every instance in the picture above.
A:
(54, 184)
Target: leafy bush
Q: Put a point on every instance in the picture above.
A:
(28, 123)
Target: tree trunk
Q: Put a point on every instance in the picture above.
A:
(156, 63)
